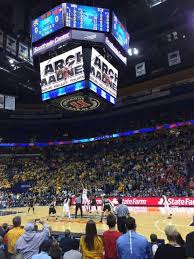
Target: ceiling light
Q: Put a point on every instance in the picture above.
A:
(135, 51)
(130, 52)
(11, 61)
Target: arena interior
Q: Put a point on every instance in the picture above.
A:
(97, 129)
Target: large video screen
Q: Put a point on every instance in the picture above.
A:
(103, 74)
(62, 70)
(87, 17)
(120, 33)
(47, 23)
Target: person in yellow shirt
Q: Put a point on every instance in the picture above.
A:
(13, 235)
(91, 245)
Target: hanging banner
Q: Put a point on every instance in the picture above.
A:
(11, 45)
(1, 101)
(9, 102)
(174, 58)
(31, 57)
(23, 51)
(1, 39)
(140, 69)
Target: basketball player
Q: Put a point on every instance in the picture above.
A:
(31, 205)
(106, 206)
(52, 209)
(93, 203)
(66, 206)
(166, 206)
(85, 200)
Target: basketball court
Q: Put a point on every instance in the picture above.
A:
(149, 219)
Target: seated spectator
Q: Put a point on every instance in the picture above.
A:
(74, 252)
(154, 245)
(2, 249)
(171, 250)
(29, 243)
(110, 237)
(190, 245)
(66, 242)
(180, 240)
(132, 245)
(91, 244)
(13, 235)
(55, 251)
(44, 248)
(4, 229)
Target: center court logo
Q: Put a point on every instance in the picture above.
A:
(79, 104)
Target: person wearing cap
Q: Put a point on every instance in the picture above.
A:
(29, 243)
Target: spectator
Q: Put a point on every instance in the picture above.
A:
(66, 242)
(13, 235)
(44, 248)
(4, 229)
(29, 243)
(74, 252)
(91, 244)
(110, 237)
(2, 249)
(55, 251)
(122, 212)
(132, 245)
(190, 245)
(154, 245)
(171, 250)
(180, 240)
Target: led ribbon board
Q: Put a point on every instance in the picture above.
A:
(103, 75)
(62, 70)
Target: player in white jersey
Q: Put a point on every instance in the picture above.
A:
(66, 206)
(85, 200)
(166, 206)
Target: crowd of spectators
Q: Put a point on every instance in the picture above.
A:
(143, 165)
(29, 242)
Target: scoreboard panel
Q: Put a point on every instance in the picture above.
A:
(47, 23)
(120, 33)
(87, 17)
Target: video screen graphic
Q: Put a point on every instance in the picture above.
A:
(47, 23)
(120, 33)
(87, 17)
(103, 74)
(62, 70)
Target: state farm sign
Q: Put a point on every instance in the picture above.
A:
(155, 201)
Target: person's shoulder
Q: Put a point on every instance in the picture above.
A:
(190, 235)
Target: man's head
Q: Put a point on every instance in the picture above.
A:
(111, 220)
(153, 238)
(45, 246)
(17, 221)
(120, 200)
(67, 233)
(130, 223)
(75, 245)
(29, 227)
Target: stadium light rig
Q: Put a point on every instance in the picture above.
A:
(133, 51)
(153, 3)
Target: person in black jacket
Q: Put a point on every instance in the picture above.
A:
(172, 250)
(66, 243)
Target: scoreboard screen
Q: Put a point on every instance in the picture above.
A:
(120, 33)
(47, 23)
(87, 17)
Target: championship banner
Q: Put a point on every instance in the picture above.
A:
(9, 103)
(174, 58)
(1, 101)
(23, 51)
(103, 74)
(11, 45)
(151, 201)
(62, 70)
(140, 69)
(1, 39)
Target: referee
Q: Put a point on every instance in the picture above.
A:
(78, 205)
(122, 214)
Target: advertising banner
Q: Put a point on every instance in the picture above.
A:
(174, 58)
(11, 45)
(62, 70)
(155, 201)
(140, 69)
(23, 51)
(103, 74)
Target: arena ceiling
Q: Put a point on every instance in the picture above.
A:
(148, 28)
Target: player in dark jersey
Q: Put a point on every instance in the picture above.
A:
(106, 206)
(93, 203)
(52, 209)
(31, 205)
